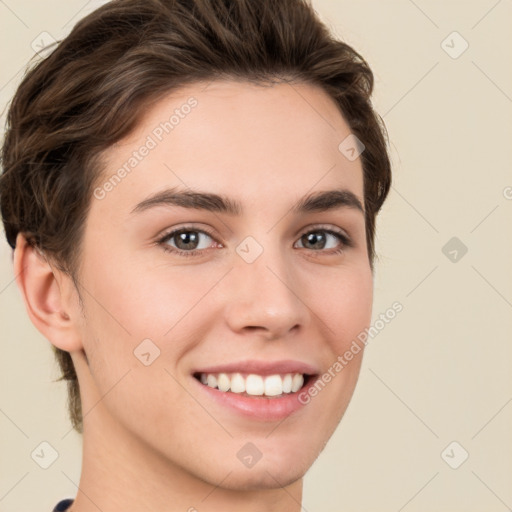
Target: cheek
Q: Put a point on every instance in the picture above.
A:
(132, 312)
(345, 305)
(133, 302)
(346, 308)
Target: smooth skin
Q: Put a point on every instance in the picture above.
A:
(153, 439)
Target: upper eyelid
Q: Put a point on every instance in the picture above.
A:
(173, 231)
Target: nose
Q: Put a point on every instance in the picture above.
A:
(264, 297)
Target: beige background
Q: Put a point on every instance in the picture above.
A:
(441, 370)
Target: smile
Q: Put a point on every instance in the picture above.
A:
(260, 390)
(253, 384)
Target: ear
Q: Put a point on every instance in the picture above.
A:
(50, 297)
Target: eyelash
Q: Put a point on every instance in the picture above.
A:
(344, 239)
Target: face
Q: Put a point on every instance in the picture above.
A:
(249, 282)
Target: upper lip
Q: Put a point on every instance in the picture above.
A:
(261, 367)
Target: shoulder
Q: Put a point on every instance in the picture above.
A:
(63, 505)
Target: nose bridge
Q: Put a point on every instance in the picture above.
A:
(264, 295)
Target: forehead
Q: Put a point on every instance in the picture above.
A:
(256, 143)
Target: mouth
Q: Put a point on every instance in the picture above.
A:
(254, 385)
(256, 389)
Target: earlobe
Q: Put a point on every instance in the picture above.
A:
(45, 299)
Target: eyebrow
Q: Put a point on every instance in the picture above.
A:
(315, 202)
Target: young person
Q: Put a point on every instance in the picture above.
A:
(190, 188)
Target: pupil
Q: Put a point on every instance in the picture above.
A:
(315, 237)
(186, 238)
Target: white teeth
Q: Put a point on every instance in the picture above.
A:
(287, 383)
(223, 382)
(237, 383)
(273, 385)
(298, 382)
(255, 385)
(211, 381)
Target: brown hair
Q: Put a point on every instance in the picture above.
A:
(92, 90)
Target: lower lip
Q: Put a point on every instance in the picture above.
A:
(259, 407)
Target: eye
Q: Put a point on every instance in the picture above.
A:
(186, 241)
(189, 241)
(318, 239)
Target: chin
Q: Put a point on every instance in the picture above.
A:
(277, 463)
(264, 476)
